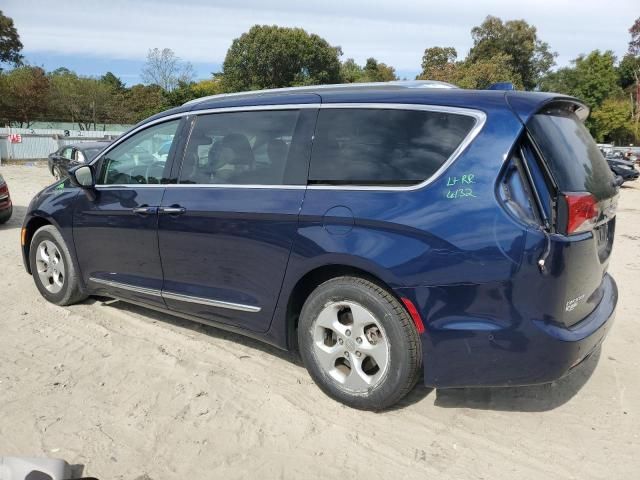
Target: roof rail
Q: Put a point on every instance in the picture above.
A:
(311, 88)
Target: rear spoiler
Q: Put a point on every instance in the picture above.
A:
(527, 104)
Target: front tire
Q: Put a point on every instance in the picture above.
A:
(359, 343)
(52, 269)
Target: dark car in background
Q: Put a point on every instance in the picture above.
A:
(6, 207)
(389, 232)
(623, 168)
(69, 156)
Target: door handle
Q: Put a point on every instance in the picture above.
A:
(145, 210)
(172, 210)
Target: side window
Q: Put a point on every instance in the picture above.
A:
(241, 148)
(384, 147)
(139, 159)
(67, 152)
(80, 157)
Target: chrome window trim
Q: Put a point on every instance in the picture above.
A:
(196, 185)
(479, 116)
(174, 116)
(176, 296)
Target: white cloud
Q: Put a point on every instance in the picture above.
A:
(392, 31)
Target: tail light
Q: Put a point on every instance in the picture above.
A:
(582, 212)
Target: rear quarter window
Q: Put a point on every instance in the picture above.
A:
(384, 146)
(573, 157)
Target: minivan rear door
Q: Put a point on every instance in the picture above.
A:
(585, 196)
(227, 226)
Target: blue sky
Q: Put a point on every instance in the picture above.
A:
(93, 37)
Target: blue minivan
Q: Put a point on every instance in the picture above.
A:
(385, 231)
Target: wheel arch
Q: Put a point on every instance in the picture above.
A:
(314, 278)
(29, 229)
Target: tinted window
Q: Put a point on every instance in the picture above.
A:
(140, 158)
(572, 155)
(241, 148)
(378, 147)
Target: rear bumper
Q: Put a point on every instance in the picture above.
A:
(524, 353)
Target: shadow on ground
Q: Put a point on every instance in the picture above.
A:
(16, 218)
(214, 332)
(534, 398)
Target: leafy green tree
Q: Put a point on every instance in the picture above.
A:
(481, 74)
(439, 63)
(83, 100)
(351, 72)
(529, 57)
(597, 77)
(143, 101)
(564, 80)
(180, 95)
(272, 57)
(595, 80)
(113, 82)
(375, 71)
(611, 121)
(628, 70)
(190, 91)
(634, 43)
(203, 88)
(592, 78)
(24, 95)
(10, 44)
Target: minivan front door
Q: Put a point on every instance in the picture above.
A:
(115, 233)
(227, 227)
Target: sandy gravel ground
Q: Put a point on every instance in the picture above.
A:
(132, 394)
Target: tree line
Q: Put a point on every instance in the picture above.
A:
(274, 57)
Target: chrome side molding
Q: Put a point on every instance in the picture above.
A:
(210, 302)
(177, 296)
(125, 286)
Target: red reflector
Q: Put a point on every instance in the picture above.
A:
(582, 212)
(415, 316)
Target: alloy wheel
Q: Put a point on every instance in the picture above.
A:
(351, 346)
(50, 265)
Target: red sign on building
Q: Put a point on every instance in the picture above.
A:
(15, 138)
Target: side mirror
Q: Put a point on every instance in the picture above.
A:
(82, 177)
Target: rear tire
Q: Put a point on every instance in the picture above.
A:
(52, 268)
(359, 344)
